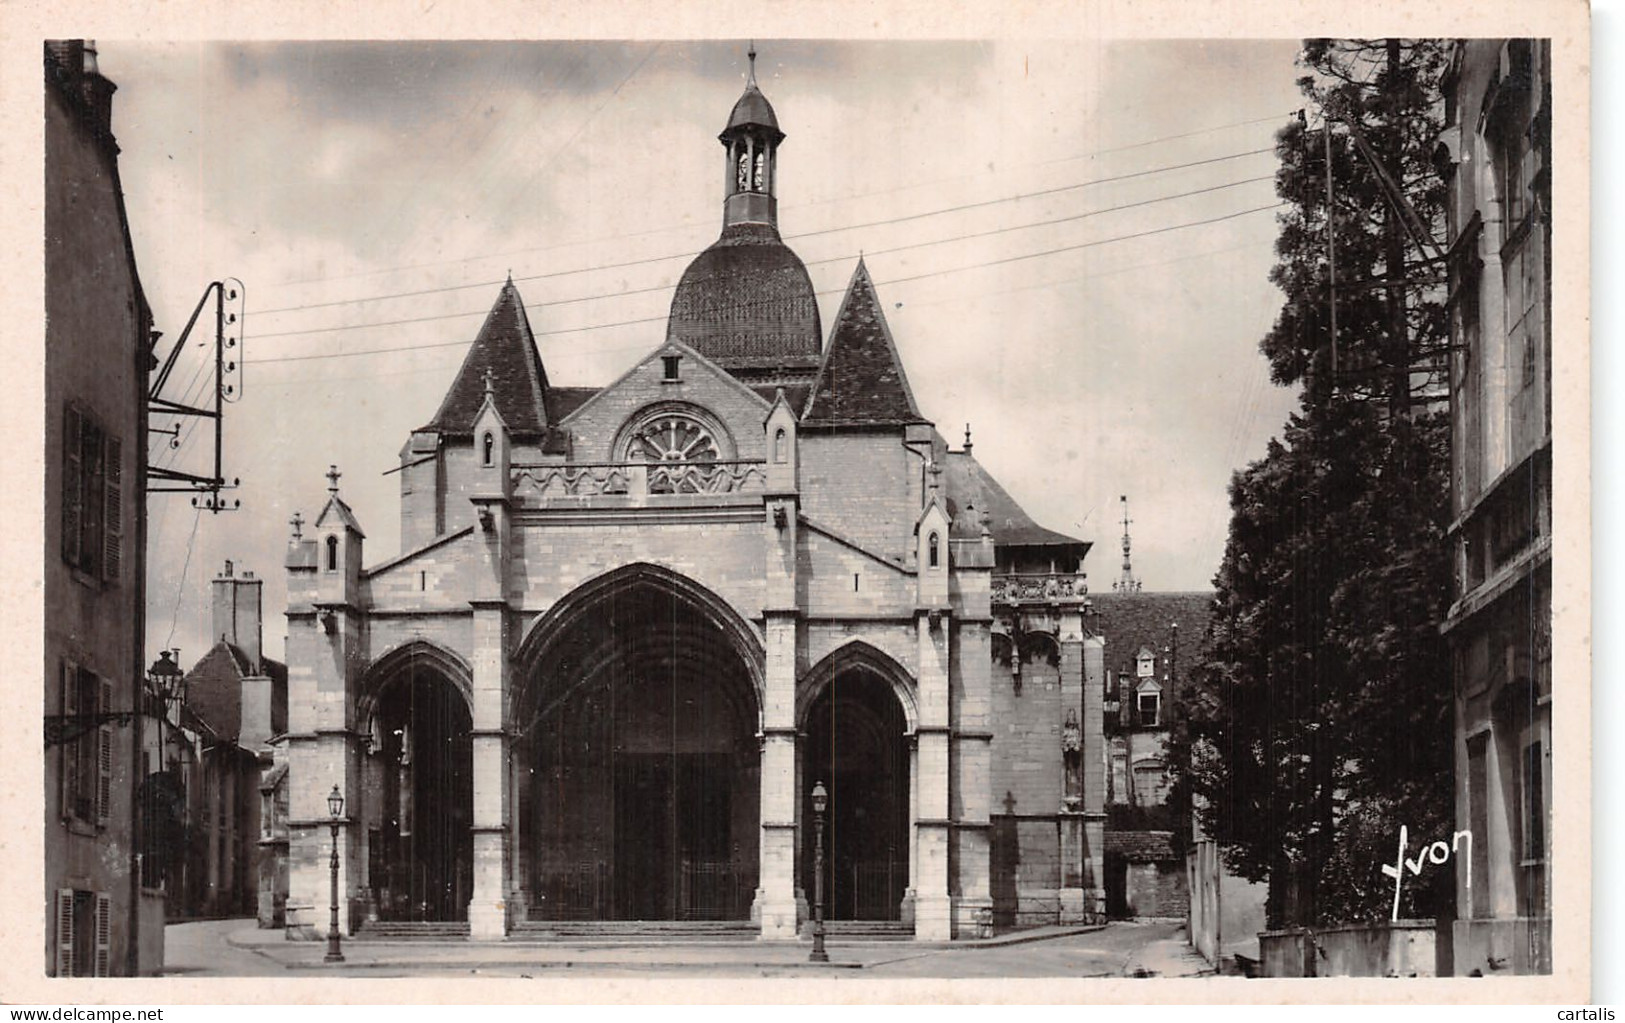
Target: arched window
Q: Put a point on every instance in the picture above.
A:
(778, 446)
(490, 448)
(332, 553)
(936, 558)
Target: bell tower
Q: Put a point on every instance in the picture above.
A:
(751, 141)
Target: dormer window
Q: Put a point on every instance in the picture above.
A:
(332, 553)
(488, 446)
(1150, 710)
(673, 366)
(1145, 665)
(934, 557)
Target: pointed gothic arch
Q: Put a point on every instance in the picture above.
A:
(861, 656)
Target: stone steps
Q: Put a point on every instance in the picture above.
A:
(413, 930)
(634, 930)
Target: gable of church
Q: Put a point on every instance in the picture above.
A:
(711, 415)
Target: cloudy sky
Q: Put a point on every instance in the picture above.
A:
(1071, 241)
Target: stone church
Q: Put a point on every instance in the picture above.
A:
(630, 627)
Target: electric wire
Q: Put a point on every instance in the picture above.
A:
(850, 197)
(790, 237)
(601, 296)
(895, 280)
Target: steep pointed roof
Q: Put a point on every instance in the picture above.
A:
(506, 349)
(336, 507)
(970, 486)
(752, 108)
(861, 381)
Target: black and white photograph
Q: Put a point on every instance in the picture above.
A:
(876, 509)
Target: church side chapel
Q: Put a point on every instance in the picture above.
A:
(631, 627)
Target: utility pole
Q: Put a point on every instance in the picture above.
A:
(1399, 396)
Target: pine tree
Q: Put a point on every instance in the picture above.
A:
(1320, 717)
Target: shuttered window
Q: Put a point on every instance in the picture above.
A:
(104, 935)
(104, 758)
(87, 758)
(64, 932)
(92, 497)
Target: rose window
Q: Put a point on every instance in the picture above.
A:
(672, 438)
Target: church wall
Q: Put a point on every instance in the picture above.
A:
(862, 485)
(420, 490)
(597, 423)
(1027, 761)
(454, 632)
(839, 580)
(440, 577)
(723, 556)
(462, 477)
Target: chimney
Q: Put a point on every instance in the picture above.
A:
(237, 614)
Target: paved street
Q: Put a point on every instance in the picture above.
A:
(236, 948)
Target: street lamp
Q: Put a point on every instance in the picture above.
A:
(820, 802)
(335, 810)
(167, 682)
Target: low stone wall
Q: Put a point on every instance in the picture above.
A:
(1403, 948)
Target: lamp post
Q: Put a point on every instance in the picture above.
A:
(335, 808)
(820, 802)
(167, 682)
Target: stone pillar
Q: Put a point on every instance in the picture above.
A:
(323, 752)
(1094, 776)
(520, 782)
(775, 906)
(1074, 897)
(973, 769)
(488, 906)
(933, 908)
(907, 910)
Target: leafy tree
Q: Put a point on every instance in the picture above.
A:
(1319, 718)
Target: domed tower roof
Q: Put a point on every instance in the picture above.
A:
(747, 302)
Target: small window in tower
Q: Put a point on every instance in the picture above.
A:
(490, 445)
(779, 444)
(673, 364)
(936, 558)
(761, 170)
(332, 553)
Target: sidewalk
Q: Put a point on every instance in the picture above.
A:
(1168, 957)
(614, 954)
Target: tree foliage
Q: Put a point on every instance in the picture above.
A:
(1319, 721)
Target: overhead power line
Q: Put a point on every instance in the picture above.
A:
(849, 197)
(600, 296)
(791, 237)
(895, 280)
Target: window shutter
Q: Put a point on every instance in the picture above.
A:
(104, 759)
(69, 749)
(64, 932)
(113, 516)
(72, 484)
(104, 935)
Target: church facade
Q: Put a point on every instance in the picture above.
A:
(631, 627)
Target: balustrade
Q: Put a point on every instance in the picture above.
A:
(1040, 588)
(619, 479)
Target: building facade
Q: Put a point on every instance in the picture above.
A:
(97, 330)
(630, 627)
(206, 834)
(1144, 671)
(1498, 151)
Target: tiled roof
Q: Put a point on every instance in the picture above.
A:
(861, 381)
(752, 108)
(214, 693)
(506, 349)
(1141, 846)
(747, 301)
(336, 506)
(565, 400)
(1130, 621)
(971, 488)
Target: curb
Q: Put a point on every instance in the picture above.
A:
(559, 964)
